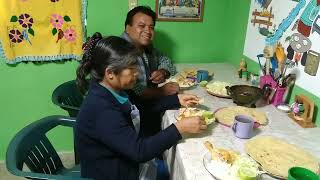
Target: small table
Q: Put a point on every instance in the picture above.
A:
(185, 160)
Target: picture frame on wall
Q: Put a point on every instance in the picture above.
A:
(179, 10)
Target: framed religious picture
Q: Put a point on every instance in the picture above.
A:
(179, 10)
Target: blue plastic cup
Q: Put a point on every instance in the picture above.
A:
(202, 75)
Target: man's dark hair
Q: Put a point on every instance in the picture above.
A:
(140, 9)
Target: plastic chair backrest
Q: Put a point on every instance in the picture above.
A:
(68, 97)
(30, 146)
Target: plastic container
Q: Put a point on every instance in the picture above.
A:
(299, 173)
(277, 96)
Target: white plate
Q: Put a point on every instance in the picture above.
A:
(192, 84)
(217, 173)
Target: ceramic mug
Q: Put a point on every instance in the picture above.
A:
(243, 126)
(202, 75)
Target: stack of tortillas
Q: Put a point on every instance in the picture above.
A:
(277, 156)
(226, 115)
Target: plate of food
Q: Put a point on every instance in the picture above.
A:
(226, 115)
(184, 82)
(189, 112)
(276, 156)
(224, 164)
(189, 73)
(192, 72)
(218, 89)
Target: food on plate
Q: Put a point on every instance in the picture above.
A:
(223, 155)
(246, 173)
(203, 83)
(189, 112)
(277, 156)
(191, 72)
(229, 165)
(184, 82)
(207, 115)
(226, 115)
(218, 88)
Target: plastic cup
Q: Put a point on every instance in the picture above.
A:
(300, 173)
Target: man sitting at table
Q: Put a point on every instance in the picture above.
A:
(154, 67)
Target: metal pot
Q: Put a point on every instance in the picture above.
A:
(244, 95)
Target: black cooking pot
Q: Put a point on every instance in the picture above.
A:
(244, 95)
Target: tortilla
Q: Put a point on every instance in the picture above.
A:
(226, 115)
(189, 112)
(277, 156)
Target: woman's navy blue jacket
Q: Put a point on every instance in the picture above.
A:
(108, 146)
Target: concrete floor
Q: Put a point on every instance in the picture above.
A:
(68, 161)
(66, 158)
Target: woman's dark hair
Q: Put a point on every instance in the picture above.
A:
(140, 9)
(100, 53)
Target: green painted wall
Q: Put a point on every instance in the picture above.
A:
(26, 96)
(205, 42)
(26, 88)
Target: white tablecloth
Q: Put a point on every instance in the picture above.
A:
(185, 160)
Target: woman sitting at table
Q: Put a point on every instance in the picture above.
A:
(107, 125)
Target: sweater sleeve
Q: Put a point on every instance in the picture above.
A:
(165, 103)
(165, 63)
(117, 134)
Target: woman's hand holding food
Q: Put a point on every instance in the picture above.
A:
(191, 125)
(188, 100)
(169, 89)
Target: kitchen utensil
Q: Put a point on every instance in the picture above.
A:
(244, 95)
(266, 91)
(277, 97)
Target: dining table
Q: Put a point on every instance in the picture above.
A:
(185, 159)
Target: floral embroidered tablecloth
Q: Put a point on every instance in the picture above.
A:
(41, 30)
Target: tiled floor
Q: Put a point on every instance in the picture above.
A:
(67, 159)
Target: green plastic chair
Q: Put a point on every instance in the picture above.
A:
(68, 97)
(31, 147)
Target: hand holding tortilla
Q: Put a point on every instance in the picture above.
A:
(188, 100)
(191, 125)
(208, 116)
